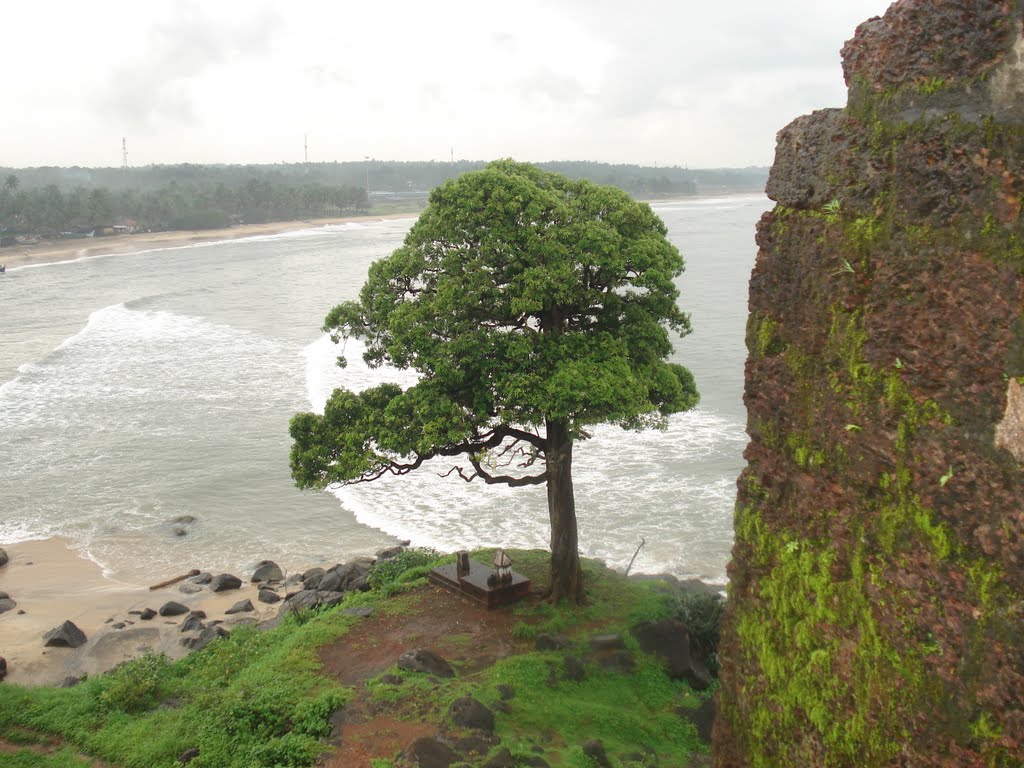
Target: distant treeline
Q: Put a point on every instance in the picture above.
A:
(156, 197)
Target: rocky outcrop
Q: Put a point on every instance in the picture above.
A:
(876, 602)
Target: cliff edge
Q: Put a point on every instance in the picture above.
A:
(876, 606)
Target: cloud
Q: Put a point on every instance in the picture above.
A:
(158, 84)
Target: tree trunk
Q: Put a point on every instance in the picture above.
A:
(566, 576)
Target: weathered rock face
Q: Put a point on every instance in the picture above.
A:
(876, 611)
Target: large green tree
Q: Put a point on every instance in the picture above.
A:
(532, 306)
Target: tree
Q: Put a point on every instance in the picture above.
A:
(533, 306)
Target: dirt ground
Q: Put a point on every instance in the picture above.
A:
(462, 632)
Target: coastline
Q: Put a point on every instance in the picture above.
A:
(53, 583)
(56, 251)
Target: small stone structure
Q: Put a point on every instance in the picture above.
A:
(477, 581)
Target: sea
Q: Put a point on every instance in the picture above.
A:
(145, 400)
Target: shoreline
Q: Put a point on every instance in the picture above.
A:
(52, 583)
(58, 251)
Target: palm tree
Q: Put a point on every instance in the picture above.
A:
(11, 182)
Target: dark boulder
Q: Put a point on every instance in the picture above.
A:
(201, 578)
(4, 559)
(147, 614)
(422, 660)
(242, 606)
(506, 692)
(594, 750)
(703, 717)
(607, 642)
(467, 712)
(188, 755)
(501, 759)
(224, 581)
(552, 641)
(171, 608)
(205, 637)
(669, 641)
(389, 552)
(331, 582)
(67, 635)
(309, 599)
(3, 668)
(267, 570)
(192, 622)
(311, 578)
(428, 752)
(7, 604)
(268, 596)
(572, 668)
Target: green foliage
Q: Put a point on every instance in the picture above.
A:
(134, 685)
(701, 613)
(407, 567)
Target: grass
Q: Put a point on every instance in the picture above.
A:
(258, 698)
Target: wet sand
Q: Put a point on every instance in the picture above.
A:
(52, 583)
(53, 251)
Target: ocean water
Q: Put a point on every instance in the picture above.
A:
(137, 390)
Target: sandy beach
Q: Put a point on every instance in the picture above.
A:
(53, 251)
(52, 583)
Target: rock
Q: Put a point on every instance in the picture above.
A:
(3, 668)
(428, 662)
(620, 662)
(506, 692)
(390, 679)
(201, 578)
(192, 622)
(311, 578)
(594, 750)
(183, 520)
(205, 637)
(188, 755)
(4, 559)
(147, 614)
(223, 582)
(331, 582)
(607, 642)
(268, 596)
(67, 635)
(669, 640)
(573, 668)
(179, 530)
(291, 581)
(267, 570)
(242, 606)
(4, 595)
(552, 641)
(703, 717)
(428, 752)
(118, 625)
(189, 589)
(171, 608)
(467, 712)
(69, 682)
(309, 599)
(389, 552)
(6, 604)
(501, 759)
(363, 611)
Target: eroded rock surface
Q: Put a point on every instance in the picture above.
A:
(876, 612)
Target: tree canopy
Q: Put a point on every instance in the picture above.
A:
(532, 306)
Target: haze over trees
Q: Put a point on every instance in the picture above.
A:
(533, 306)
(50, 200)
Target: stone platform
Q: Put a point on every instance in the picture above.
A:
(474, 584)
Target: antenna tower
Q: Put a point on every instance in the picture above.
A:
(124, 154)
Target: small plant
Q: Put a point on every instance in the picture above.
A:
(135, 685)
(946, 477)
(831, 210)
(701, 612)
(404, 567)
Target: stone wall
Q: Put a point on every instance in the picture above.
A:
(876, 605)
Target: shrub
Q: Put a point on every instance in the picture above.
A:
(701, 612)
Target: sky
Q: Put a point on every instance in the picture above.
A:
(692, 83)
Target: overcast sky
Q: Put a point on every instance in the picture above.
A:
(698, 83)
